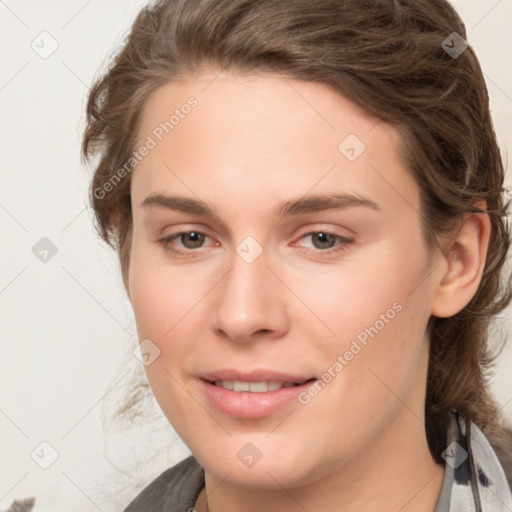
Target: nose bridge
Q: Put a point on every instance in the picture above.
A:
(251, 299)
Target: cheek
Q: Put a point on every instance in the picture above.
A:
(153, 305)
(161, 294)
(163, 300)
(366, 291)
(377, 313)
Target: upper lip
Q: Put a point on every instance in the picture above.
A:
(258, 375)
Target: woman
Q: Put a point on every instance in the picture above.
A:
(306, 199)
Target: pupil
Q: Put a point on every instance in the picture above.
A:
(196, 239)
(325, 238)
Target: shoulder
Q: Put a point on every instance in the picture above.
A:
(175, 489)
(501, 442)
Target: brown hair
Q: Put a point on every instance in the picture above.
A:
(388, 57)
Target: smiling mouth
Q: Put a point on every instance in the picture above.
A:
(255, 397)
(256, 387)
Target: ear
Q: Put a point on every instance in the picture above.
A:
(462, 263)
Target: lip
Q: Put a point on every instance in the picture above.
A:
(254, 376)
(247, 405)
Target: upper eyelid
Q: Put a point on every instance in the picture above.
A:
(320, 229)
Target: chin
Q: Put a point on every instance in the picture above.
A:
(252, 462)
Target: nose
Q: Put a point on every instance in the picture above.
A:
(251, 302)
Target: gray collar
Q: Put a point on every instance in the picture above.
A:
(474, 480)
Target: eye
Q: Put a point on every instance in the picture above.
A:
(325, 241)
(189, 240)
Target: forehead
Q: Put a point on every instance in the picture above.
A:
(265, 135)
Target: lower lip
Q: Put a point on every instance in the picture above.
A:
(249, 405)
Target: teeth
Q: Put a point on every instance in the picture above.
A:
(240, 386)
(253, 387)
(226, 384)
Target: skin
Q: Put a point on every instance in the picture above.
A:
(252, 143)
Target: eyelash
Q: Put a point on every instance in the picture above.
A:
(165, 242)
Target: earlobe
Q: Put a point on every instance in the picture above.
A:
(464, 261)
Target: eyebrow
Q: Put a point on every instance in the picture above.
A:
(309, 204)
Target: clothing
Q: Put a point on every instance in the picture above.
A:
(463, 488)
(474, 480)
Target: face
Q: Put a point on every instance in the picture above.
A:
(276, 242)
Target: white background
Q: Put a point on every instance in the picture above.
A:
(67, 330)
